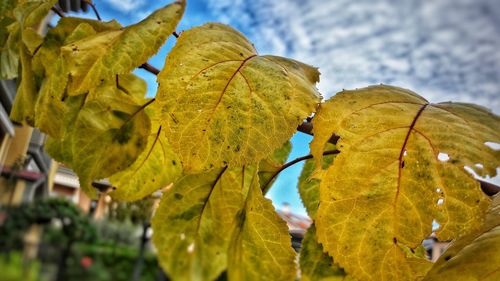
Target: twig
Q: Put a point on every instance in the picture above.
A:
(175, 34)
(146, 66)
(489, 188)
(92, 5)
(306, 127)
(293, 162)
(59, 13)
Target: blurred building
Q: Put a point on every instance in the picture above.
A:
(25, 167)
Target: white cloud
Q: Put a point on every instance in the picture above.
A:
(126, 6)
(443, 50)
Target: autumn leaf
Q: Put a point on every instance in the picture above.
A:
(18, 26)
(23, 109)
(475, 256)
(308, 185)
(272, 164)
(61, 149)
(9, 51)
(315, 265)
(110, 132)
(20, 44)
(260, 247)
(225, 105)
(193, 223)
(211, 222)
(388, 184)
(119, 52)
(50, 105)
(155, 168)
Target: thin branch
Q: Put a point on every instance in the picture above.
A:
(56, 10)
(175, 34)
(92, 5)
(267, 186)
(306, 127)
(146, 66)
(489, 188)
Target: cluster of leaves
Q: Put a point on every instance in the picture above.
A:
(216, 130)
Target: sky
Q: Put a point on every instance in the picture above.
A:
(446, 50)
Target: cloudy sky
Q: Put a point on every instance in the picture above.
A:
(442, 49)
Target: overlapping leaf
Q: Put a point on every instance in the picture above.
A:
(225, 105)
(270, 165)
(23, 109)
(118, 52)
(156, 167)
(308, 185)
(50, 105)
(475, 256)
(61, 149)
(316, 265)
(29, 15)
(208, 223)
(260, 247)
(109, 134)
(20, 44)
(9, 53)
(20, 27)
(386, 187)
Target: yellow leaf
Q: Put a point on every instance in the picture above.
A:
(50, 107)
(475, 256)
(9, 51)
(67, 25)
(19, 27)
(270, 165)
(156, 167)
(61, 149)
(29, 14)
(118, 52)
(261, 246)
(387, 185)
(315, 265)
(308, 185)
(110, 132)
(194, 221)
(208, 223)
(23, 109)
(225, 105)
(50, 104)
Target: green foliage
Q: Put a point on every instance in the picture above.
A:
(14, 268)
(74, 224)
(216, 130)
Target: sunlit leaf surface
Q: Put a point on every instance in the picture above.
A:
(225, 105)
(118, 52)
(209, 223)
(388, 184)
(475, 256)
